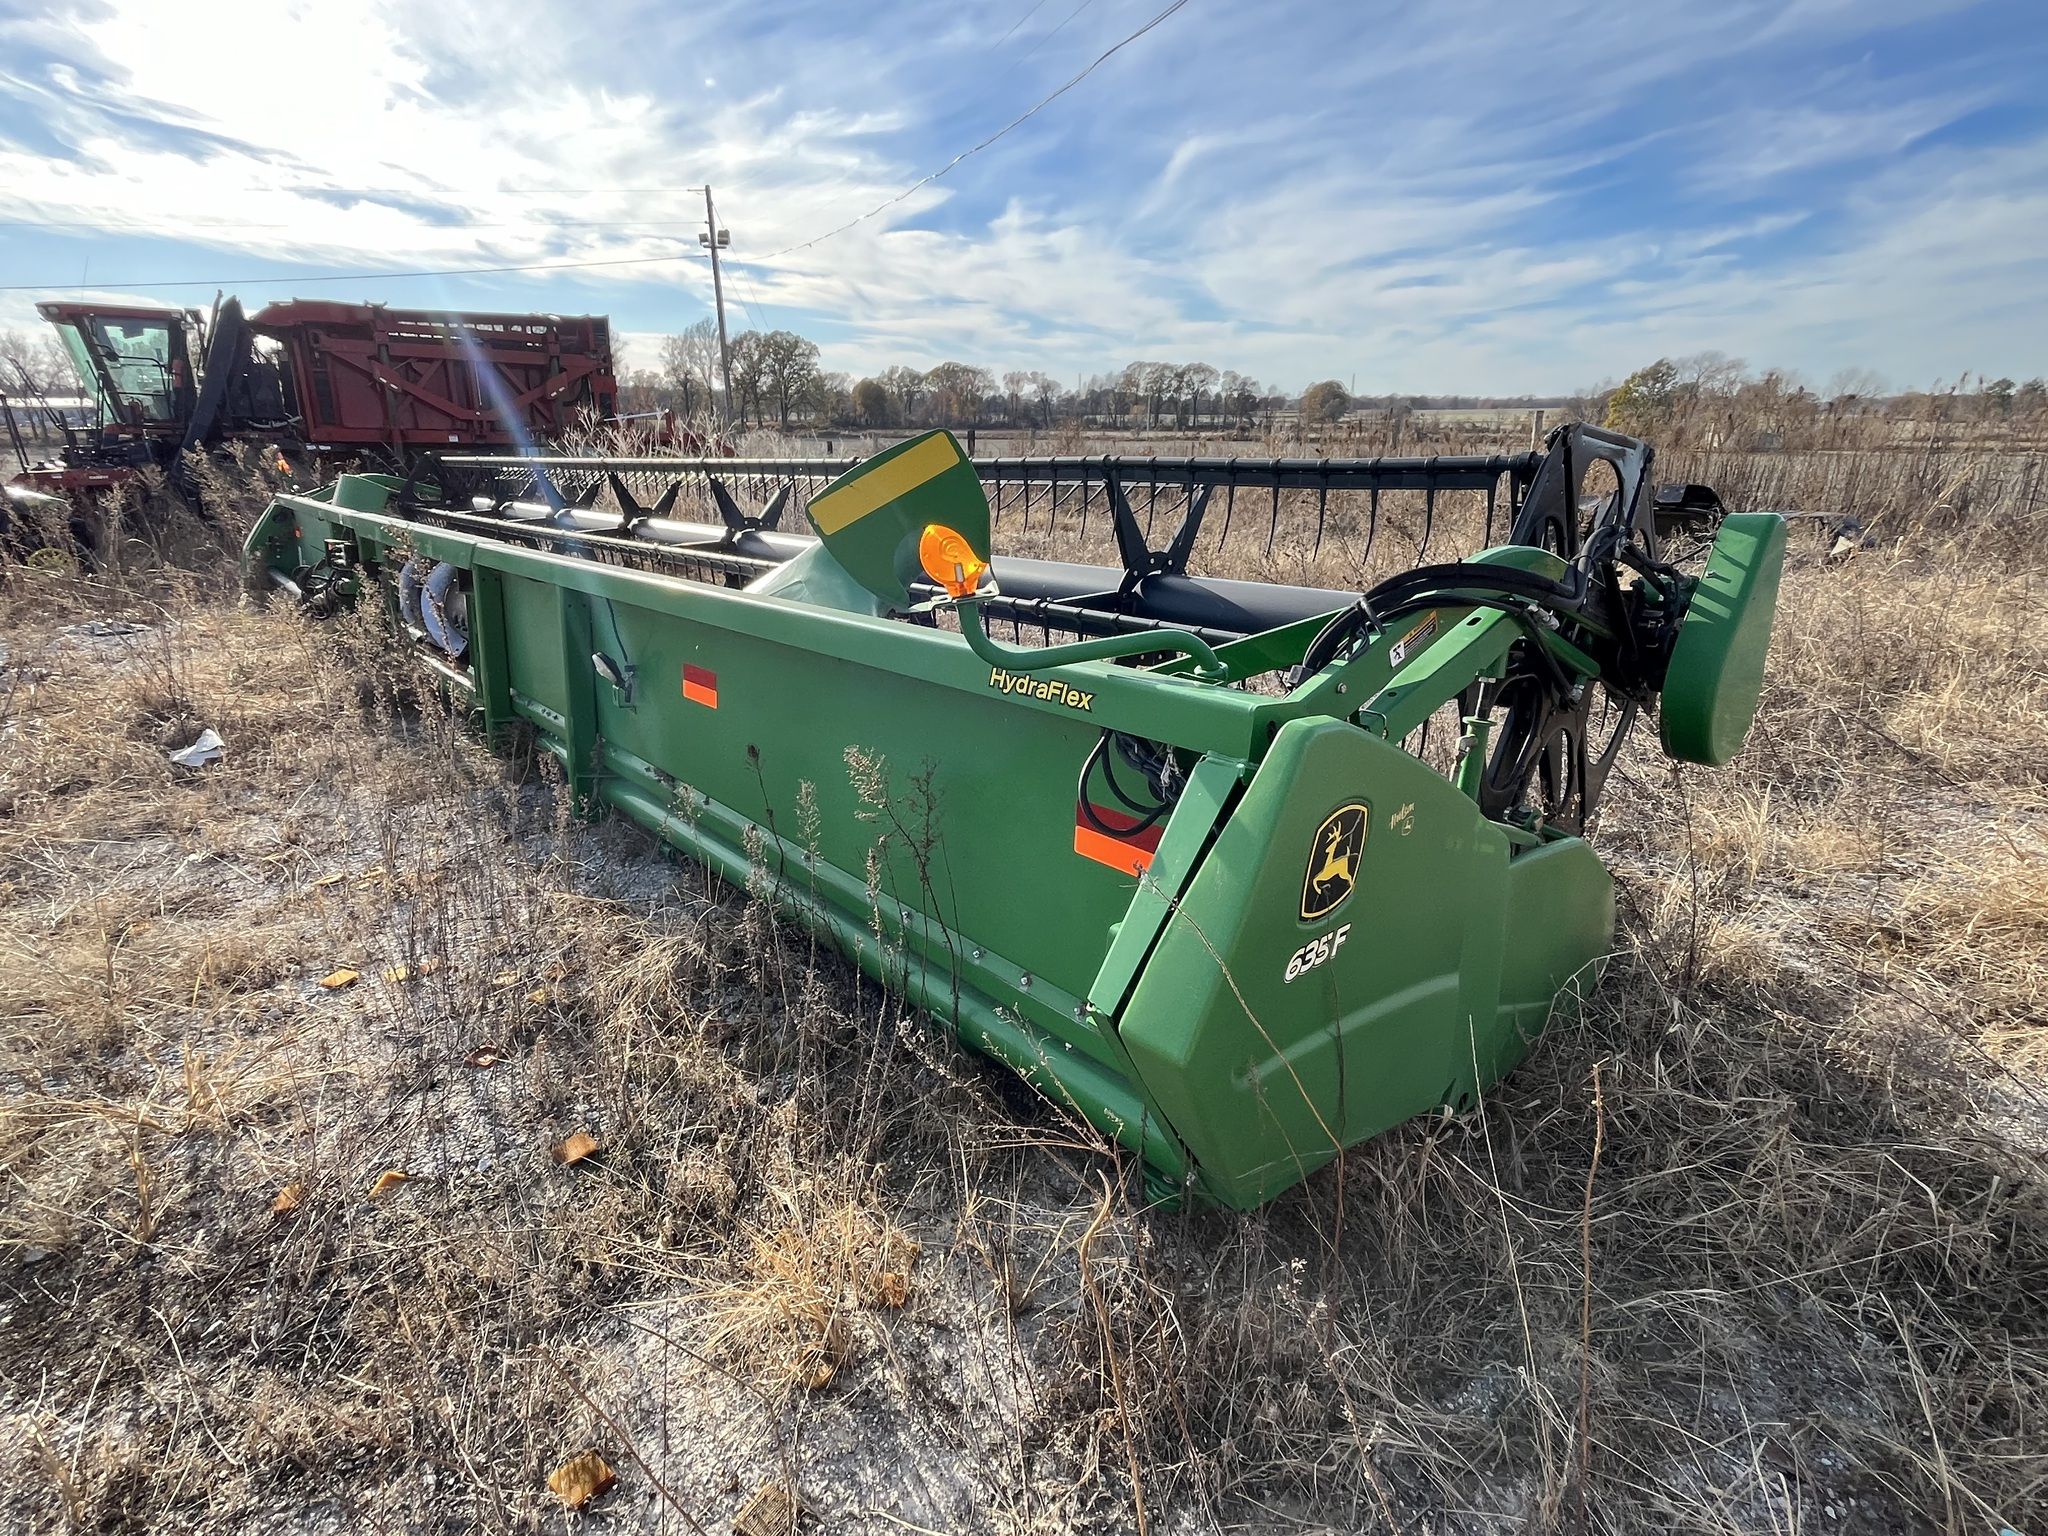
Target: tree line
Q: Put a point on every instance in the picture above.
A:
(779, 380)
(1709, 397)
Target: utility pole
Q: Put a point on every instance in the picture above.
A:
(714, 237)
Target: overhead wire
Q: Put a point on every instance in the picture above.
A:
(1036, 7)
(105, 227)
(747, 282)
(1014, 123)
(357, 277)
(742, 288)
(1032, 51)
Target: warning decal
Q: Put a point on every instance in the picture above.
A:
(1125, 847)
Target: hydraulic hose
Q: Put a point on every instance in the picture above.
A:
(1024, 658)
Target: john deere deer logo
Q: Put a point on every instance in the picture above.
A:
(1333, 861)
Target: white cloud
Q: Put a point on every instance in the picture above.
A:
(1475, 194)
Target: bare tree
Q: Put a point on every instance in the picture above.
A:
(829, 397)
(1325, 402)
(689, 364)
(1046, 389)
(1144, 383)
(639, 390)
(1855, 386)
(908, 386)
(1016, 385)
(1240, 393)
(957, 390)
(1703, 385)
(749, 373)
(39, 363)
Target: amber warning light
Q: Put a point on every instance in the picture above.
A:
(950, 560)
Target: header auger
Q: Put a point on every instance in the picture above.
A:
(1191, 865)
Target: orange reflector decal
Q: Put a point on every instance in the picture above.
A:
(950, 560)
(700, 685)
(1124, 847)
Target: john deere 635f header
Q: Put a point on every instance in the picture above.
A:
(1185, 866)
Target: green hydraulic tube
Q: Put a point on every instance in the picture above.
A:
(1208, 666)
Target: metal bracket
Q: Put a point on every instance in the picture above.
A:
(1140, 560)
(737, 521)
(619, 676)
(544, 486)
(631, 513)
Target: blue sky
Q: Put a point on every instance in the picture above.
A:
(1470, 195)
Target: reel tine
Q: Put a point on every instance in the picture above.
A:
(1428, 520)
(1322, 508)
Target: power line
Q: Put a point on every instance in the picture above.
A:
(1055, 32)
(1037, 5)
(225, 228)
(752, 296)
(925, 181)
(584, 191)
(752, 313)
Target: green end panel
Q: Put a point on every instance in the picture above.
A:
(263, 533)
(1566, 898)
(872, 516)
(293, 528)
(1717, 664)
(1270, 1039)
(364, 493)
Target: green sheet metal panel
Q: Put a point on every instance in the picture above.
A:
(980, 816)
(1560, 903)
(533, 651)
(1274, 1026)
(1717, 664)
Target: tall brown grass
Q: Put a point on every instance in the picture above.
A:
(1754, 1242)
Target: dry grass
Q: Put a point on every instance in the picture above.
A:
(1755, 1242)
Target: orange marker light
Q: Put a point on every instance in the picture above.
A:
(950, 560)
